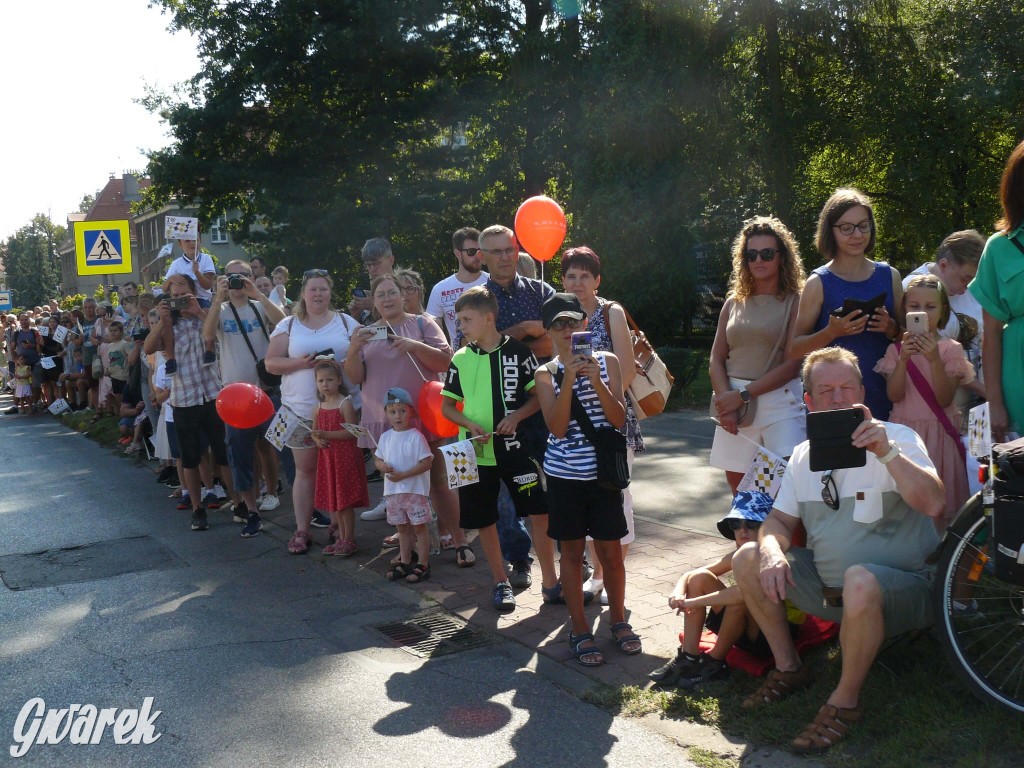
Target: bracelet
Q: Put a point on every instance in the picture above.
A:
(894, 451)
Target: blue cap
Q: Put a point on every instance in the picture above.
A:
(398, 395)
(748, 505)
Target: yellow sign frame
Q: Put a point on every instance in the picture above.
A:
(125, 267)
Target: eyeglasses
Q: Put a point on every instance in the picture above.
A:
(408, 290)
(314, 273)
(750, 525)
(566, 322)
(499, 252)
(829, 492)
(470, 251)
(766, 254)
(847, 229)
(387, 294)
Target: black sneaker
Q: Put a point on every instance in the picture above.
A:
(184, 502)
(209, 358)
(520, 577)
(374, 476)
(668, 674)
(199, 522)
(504, 600)
(173, 481)
(211, 501)
(241, 512)
(253, 526)
(588, 569)
(171, 367)
(320, 520)
(703, 670)
(164, 475)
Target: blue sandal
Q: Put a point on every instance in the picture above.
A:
(575, 645)
(631, 637)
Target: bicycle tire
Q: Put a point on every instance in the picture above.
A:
(982, 633)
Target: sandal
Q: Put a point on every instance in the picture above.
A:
(399, 571)
(345, 547)
(299, 543)
(554, 596)
(778, 686)
(398, 558)
(332, 548)
(579, 652)
(830, 726)
(632, 637)
(390, 542)
(447, 541)
(332, 533)
(418, 573)
(464, 557)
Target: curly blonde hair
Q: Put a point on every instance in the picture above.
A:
(791, 269)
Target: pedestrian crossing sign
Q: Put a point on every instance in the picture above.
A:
(102, 247)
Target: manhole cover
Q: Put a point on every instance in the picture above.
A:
(434, 633)
(87, 562)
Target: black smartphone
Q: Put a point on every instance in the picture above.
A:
(324, 352)
(868, 307)
(178, 304)
(359, 293)
(830, 434)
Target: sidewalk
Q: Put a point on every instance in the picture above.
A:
(660, 554)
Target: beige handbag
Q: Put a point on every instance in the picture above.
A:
(652, 384)
(747, 411)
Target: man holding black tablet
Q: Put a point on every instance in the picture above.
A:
(868, 534)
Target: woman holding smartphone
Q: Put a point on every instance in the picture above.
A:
(846, 236)
(758, 316)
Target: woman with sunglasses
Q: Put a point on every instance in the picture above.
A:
(846, 237)
(314, 328)
(413, 352)
(757, 318)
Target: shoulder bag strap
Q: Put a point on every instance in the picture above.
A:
(929, 397)
(576, 410)
(241, 327)
(259, 318)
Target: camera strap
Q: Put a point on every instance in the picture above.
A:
(241, 327)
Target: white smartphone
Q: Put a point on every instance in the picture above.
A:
(917, 322)
(380, 333)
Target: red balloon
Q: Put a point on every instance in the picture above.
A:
(540, 227)
(244, 406)
(428, 404)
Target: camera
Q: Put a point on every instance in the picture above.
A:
(173, 304)
(235, 282)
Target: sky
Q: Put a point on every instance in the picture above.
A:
(71, 72)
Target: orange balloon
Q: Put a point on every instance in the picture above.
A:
(540, 227)
(244, 406)
(428, 404)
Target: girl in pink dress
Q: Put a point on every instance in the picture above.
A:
(941, 366)
(340, 471)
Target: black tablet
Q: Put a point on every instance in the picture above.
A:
(868, 307)
(830, 434)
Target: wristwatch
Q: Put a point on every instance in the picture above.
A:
(894, 451)
(744, 395)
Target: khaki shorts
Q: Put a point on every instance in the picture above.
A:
(906, 595)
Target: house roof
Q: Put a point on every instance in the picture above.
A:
(109, 205)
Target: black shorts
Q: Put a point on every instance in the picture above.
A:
(757, 647)
(191, 424)
(581, 508)
(117, 385)
(478, 503)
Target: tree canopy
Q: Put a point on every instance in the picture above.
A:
(31, 261)
(659, 125)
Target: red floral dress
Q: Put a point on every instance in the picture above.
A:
(340, 470)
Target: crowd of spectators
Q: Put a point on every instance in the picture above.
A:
(847, 546)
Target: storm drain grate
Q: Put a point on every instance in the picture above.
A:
(434, 633)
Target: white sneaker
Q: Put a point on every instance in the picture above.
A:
(268, 503)
(377, 513)
(219, 492)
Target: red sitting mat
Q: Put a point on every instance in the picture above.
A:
(813, 631)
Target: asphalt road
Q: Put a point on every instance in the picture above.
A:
(252, 656)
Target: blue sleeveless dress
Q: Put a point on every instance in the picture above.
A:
(869, 346)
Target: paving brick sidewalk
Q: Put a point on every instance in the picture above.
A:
(655, 561)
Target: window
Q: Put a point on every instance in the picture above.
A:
(219, 230)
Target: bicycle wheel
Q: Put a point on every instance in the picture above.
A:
(980, 618)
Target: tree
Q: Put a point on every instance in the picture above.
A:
(31, 260)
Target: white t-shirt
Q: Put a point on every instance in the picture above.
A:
(298, 389)
(236, 361)
(403, 450)
(277, 295)
(182, 266)
(444, 295)
(162, 381)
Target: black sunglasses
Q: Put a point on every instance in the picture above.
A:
(470, 251)
(735, 524)
(314, 273)
(766, 254)
(829, 492)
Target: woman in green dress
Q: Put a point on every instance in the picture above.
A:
(999, 288)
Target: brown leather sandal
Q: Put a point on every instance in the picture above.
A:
(830, 726)
(778, 686)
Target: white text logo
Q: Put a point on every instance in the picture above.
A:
(82, 725)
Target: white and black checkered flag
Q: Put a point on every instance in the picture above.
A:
(765, 473)
(460, 464)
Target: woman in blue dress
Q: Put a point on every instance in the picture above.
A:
(846, 236)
